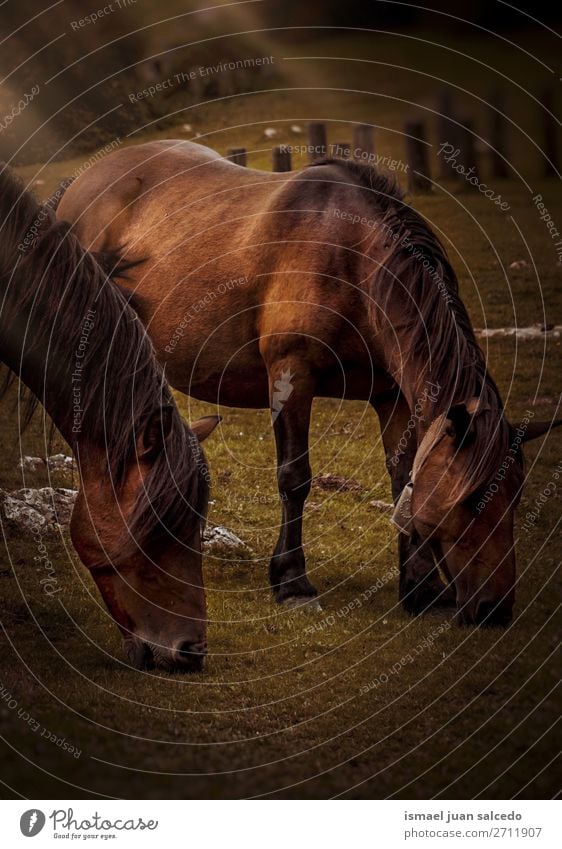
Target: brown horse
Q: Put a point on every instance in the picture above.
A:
(262, 289)
(67, 331)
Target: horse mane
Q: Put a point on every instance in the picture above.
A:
(434, 320)
(57, 283)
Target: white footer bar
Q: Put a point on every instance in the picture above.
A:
(281, 824)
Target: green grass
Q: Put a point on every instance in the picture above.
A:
(280, 708)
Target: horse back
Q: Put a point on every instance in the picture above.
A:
(260, 260)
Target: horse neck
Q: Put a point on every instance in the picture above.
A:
(79, 348)
(53, 294)
(48, 318)
(24, 349)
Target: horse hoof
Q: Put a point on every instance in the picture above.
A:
(311, 604)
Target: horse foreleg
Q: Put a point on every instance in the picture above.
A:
(291, 393)
(420, 586)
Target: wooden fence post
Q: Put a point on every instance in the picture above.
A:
(418, 160)
(363, 139)
(447, 132)
(498, 146)
(317, 140)
(468, 157)
(237, 155)
(341, 149)
(281, 159)
(550, 141)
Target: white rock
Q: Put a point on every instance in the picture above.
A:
(61, 463)
(383, 506)
(51, 509)
(270, 132)
(296, 129)
(54, 463)
(519, 263)
(32, 464)
(45, 507)
(522, 333)
(16, 511)
(217, 536)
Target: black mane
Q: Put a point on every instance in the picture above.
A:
(55, 285)
(434, 319)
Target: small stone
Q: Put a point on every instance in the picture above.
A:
(270, 132)
(383, 506)
(217, 537)
(47, 508)
(339, 483)
(522, 333)
(61, 463)
(54, 463)
(32, 464)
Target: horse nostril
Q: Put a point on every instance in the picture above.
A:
(191, 656)
(139, 655)
(485, 614)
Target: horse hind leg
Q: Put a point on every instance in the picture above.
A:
(291, 393)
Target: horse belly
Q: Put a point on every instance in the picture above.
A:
(212, 361)
(353, 382)
(234, 388)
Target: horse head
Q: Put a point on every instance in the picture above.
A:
(147, 566)
(468, 521)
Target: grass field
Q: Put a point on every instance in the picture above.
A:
(358, 699)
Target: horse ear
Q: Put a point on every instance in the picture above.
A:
(461, 419)
(536, 429)
(202, 428)
(459, 422)
(156, 431)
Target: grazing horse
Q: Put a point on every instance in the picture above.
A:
(266, 290)
(67, 332)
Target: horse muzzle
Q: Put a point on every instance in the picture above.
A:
(486, 614)
(184, 657)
